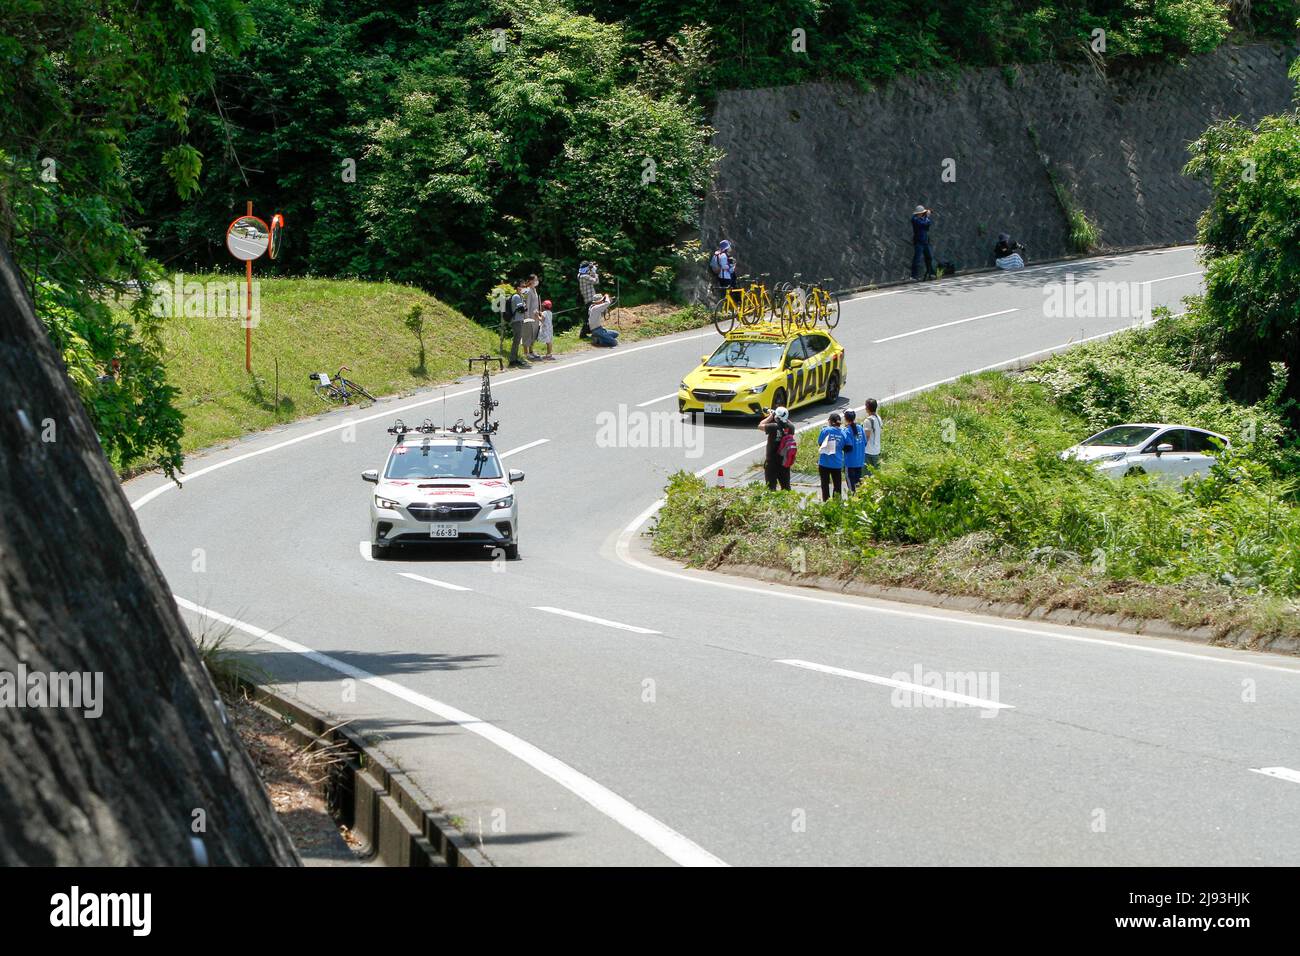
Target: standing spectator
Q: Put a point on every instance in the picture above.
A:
(588, 279)
(830, 458)
(533, 306)
(855, 449)
(723, 266)
(518, 313)
(776, 425)
(873, 427)
(596, 320)
(921, 219)
(546, 332)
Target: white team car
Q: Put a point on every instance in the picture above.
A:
(1171, 453)
(442, 487)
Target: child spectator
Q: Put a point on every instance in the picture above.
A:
(546, 334)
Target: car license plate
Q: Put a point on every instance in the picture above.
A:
(713, 409)
(443, 531)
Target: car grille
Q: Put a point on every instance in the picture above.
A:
(443, 511)
(711, 395)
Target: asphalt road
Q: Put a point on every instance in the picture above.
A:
(701, 718)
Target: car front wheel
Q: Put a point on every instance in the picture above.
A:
(833, 388)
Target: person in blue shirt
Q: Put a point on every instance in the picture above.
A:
(830, 459)
(921, 219)
(855, 449)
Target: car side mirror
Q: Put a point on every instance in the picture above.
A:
(516, 476)
(703, 359)
(794, 363)
(371, 476)
(1161, 449)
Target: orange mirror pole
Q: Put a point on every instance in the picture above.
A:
(248, 325)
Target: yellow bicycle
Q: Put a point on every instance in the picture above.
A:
(821, 305)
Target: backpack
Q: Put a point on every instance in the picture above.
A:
(788, 449)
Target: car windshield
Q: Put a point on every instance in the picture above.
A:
(743, 354)
(1121, 436)
(442, 461)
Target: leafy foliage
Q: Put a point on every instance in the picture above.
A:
(978, 460)
(76, 77)
(1249, 317)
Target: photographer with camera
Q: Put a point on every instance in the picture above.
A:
(921, 219)
(782, 448)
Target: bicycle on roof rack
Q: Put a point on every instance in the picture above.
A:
(338, 390)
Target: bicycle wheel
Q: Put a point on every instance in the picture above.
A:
(750, 314)
(832, 310)
(724, 315)
(789, 320)
(356, 389)
(328, 394)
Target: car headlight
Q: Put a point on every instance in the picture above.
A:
(1116, 456)
(385, 503)
(682, 386)
(500, 503)
(756, 390)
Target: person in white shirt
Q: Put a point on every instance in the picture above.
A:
(873, 427)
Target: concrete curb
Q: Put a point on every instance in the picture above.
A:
(370, 795)
(1142, 627)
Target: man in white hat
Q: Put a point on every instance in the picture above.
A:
(776, 425)
(921, 218)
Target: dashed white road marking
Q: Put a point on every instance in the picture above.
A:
(943, 325)
(659, 835)
(656, 401)
(596, 620)
(901, 685)
(436, 583)
(515, 451)
(1281, 773)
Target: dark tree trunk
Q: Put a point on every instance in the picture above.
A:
(158, 778)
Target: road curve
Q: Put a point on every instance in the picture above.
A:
(592, 704)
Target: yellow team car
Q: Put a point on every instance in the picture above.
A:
(759, 367)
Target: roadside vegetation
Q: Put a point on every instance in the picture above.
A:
(317, 325)
(972, 498)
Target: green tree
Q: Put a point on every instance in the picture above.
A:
(1250, 311)
(77, 77)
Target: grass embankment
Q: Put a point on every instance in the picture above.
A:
(316, 325)
(972, 499)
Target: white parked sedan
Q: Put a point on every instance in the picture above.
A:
(1171, 453)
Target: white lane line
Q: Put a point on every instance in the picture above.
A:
(365, 550)
(942, 325)
(1281, 773)
(901, 685)
(397, 410)
(434, 582)
(662, 837)
(1181, 275)
(656, 401)
(531, 444)
(596, 620)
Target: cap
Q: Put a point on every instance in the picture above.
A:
(782, 414)
(546, 304)
(918, 210)
(724, 245)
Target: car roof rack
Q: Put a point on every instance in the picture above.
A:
(400, 429)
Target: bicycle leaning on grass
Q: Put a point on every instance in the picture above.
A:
(338, 390)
